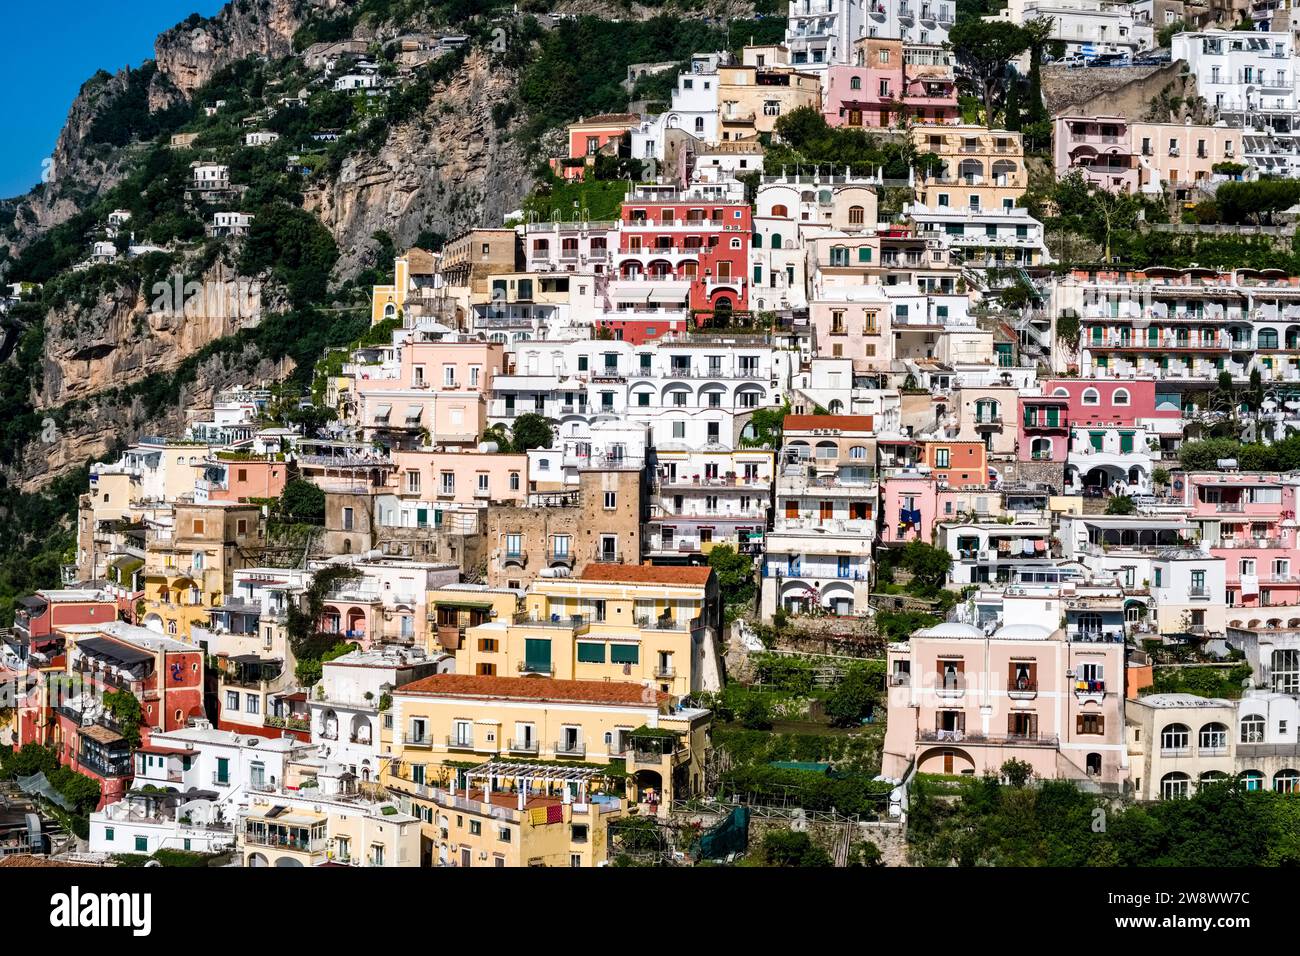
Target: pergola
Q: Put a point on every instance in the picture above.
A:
(531, 778)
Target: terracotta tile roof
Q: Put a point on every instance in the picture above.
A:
(799, 423)
(534, 688)
(24, 860)
(100, 734)
(645, 574)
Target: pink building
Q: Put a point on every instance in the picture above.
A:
(961, 702)
(240, 477)
(437, 392)
(1248, 520)
(910, 506)
(888, 80)
(1114, 402)
(590, 137)
(869, 92)
(463, 478)
(1043, 428)
(1100, 147)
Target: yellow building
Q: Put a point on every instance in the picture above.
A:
(410, 273)
(555, 760)
(656, 626)
(454, 610)
(981, 168)
(189, 566)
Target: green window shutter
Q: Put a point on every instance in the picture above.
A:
(1031, 417)
(591, 653)
(1103, 361)
(1096, 438)
(1125, 442)
(1053, 417)
(537, 654)
(864, 253)
(1153, 335)
(1096, 333)
(624, 654)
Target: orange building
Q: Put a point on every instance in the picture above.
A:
(962, 464)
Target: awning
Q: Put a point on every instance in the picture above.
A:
(413, 412)
(468, 605)
(382, 413)
(121, 654)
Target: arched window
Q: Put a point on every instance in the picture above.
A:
(776, 240)
(857, 215)
(855, 83)
(757, 241)
(1267, 339)
(1175, 786)
(1213, 737)
(1212, 776)
(1251, 780)
(1252, 729)
(836, 407)
(779, 210)
(1286, 781)
(839, 255)
(1092, 764)
(1119, 397)
(858, 452)
(1091, 397)
(1174, 737)
(1061, 393)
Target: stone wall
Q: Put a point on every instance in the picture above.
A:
(1132, 92)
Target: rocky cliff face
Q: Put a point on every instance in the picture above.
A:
(191, 52)
(444, 170)
(103, 424)
(133, 332)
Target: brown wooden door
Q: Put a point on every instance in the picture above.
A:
(465, 856)
(947, 761)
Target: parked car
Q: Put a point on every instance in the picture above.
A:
(1074, 59)
(1110, 59)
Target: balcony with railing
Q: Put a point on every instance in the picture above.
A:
(571, 748)
(460, 742)
(524, 747)
(1022, 688)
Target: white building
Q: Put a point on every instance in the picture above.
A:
(345, 705)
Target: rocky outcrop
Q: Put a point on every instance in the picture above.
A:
(103, 424)
(132, 332)
(191, 52)
(444, 170)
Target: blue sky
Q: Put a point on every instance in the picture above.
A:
(55, 48)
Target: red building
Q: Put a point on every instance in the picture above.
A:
(38, 617)
(592, 136)
(164, 675)
(679, 250)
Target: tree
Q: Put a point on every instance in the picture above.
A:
(498, 434)
(125, 709)
(764, 429)
(929, 565)
(27, 760)
(531, 431)
(735, 573)
(852, 699)
(986, 48)
(787, 848)
(302, 500)
(1120, 505)
(1017, 772)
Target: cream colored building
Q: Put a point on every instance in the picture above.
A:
(751, 98)
(325, 823)
(981, 168)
